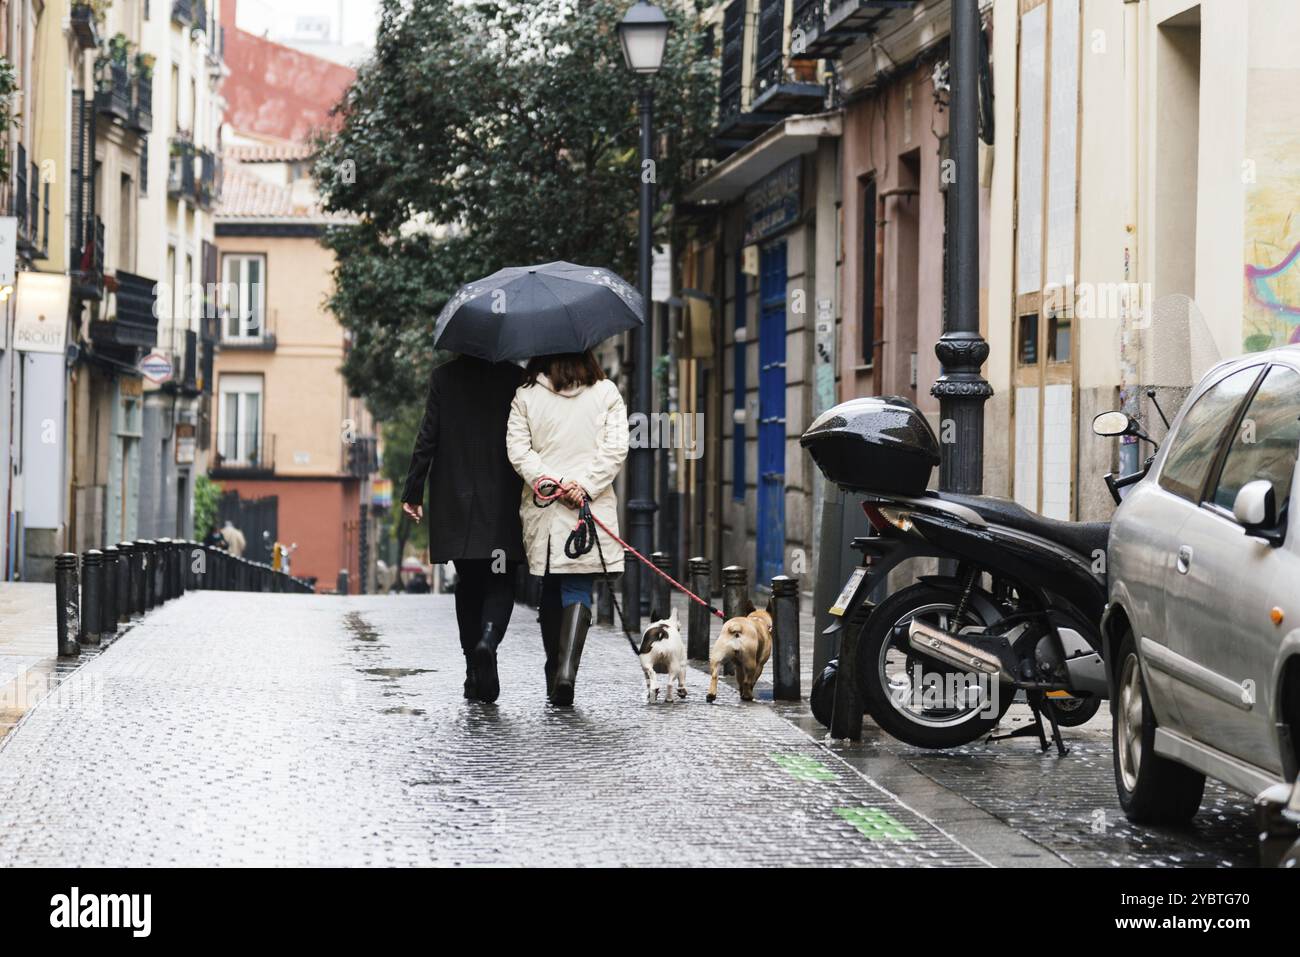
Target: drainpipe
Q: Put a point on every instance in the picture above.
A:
(1130, 316)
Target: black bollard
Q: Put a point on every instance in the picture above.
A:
(162, 579)
(108, 608)
(342, 588)
(846, 711)
(735, 592)
(66, 596)
(92, 595)
(785, 638)
(698, 618)
(126, 576)
(605, 601)
(661, 592)
(145, 548)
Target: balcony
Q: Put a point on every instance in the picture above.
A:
(87, 257)
(782, 85)
(244, 454)
(831, 26)
(191, 13)
(84, 26)
(142, 103)
(33, 218)
(134, 326)
(361, 457)
(113, 92)
(181, 181)
(209, 170)
(186, 363)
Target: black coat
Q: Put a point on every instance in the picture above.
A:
(474, 491)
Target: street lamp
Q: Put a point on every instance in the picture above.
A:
(643, 33)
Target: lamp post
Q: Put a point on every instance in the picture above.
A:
(961, 389)
(643, 33)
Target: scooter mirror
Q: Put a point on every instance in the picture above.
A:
(1113, 423)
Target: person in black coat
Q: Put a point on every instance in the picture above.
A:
(473, 503)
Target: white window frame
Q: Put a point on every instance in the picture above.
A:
(235, 284)
(240, 386)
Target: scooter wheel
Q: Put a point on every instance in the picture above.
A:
(1075, 712)
(888, 671)
(822, 698)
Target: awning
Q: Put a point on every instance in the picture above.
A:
(793, 136)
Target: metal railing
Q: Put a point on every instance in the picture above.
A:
(245, 450)
(113, 92)
(104, 589)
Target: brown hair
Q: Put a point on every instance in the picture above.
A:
(565, 370)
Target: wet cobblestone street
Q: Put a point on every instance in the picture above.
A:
(264, 729)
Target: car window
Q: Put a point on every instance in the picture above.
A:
(1266, 442)
(1191, 453)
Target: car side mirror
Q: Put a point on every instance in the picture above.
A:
(1255, 507)
(1115, 424)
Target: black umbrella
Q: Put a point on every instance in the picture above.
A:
(525, 311)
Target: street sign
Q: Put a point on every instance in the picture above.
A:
(156, 367)
(41, 316)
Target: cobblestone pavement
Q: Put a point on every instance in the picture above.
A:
(1065, 805)
(240, 729)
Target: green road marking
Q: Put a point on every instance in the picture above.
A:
(875, 825)
(804, 768)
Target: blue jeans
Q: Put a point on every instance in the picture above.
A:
(571, 589)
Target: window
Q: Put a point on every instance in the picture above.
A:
(244, 296)
(1195, 444)
(239, 425)
(1266, 441)
(126, 215)
(1027, 349)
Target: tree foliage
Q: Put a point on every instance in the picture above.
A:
(486, 134)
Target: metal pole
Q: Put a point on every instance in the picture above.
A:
(66, 611)
(92, 595)
(641, 504)
(126, 575)
(961, 389)
(108, 607)
(698, 618)
(785, 638)
(660, 590)
(735, 591)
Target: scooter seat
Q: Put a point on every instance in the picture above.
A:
(1086, 538)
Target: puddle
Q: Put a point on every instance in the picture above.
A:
(359, 627)
(391, 673)
(401, 710)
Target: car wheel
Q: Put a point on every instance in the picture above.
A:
(1152, 789)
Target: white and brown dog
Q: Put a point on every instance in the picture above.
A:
(663, 653)
(745, 643)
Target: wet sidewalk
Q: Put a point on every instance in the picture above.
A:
(308, 730)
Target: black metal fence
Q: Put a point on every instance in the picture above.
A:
(104, 589)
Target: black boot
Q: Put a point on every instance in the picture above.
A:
(548, 616)
(485, 664)
(471, 685)
(573, 635)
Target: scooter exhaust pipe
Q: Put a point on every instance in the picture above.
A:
(956, 651)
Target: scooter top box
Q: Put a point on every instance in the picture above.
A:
(874, 444)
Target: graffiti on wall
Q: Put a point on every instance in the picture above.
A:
(1272, 179)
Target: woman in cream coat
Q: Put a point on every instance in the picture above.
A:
(568, 422)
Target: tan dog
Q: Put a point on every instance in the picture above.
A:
(747, 644)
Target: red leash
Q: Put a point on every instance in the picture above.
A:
(583, 536)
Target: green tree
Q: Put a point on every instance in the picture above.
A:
(486, 134)
(207, 496)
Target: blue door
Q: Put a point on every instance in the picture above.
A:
(771, 414)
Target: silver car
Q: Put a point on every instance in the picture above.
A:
(1202, 629)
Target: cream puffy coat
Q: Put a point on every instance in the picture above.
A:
(579, 435)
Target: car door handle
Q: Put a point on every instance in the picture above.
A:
(1184, 559)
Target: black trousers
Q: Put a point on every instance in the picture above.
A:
(482, 597)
